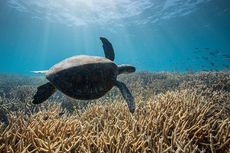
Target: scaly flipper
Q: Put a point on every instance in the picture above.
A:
(43, 93)
(127, 95)
(108, 49)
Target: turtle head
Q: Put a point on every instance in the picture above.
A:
(126, 68)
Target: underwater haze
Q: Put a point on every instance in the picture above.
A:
(178, 100)
(153, 35)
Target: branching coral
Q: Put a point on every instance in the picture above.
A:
(191, 117)
(180, 121)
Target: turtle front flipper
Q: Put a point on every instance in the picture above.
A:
(108, 49)
(43, 93)
(127, 95)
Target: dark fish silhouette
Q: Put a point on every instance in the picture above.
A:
(213, 64)
(225, 66)
(227, 57)
(217, 52)
(211, 53)
(214, 53)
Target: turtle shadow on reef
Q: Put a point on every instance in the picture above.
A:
(86, 77)
(4, 117)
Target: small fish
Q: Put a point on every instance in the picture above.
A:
(213, 64)
(40, 72)
(202, 66)
(212, 53)
(226, 56)
(217, 52)
(224, 65)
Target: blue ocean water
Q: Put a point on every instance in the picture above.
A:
(153, 35)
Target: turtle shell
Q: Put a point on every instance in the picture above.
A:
(83, 77)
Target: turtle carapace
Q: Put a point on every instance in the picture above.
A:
(86, 77)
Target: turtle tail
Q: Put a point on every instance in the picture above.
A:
(43, 93)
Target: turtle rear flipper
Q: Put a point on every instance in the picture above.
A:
(43, 93)
(127, 95)
(108, 49)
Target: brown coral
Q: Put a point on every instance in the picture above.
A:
(189, 118)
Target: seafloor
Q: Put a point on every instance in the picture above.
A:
(181, 113)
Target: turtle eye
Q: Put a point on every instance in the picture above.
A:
(131, 69)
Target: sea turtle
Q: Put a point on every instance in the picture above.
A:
(86, 77)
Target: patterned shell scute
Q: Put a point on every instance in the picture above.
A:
(83, 77)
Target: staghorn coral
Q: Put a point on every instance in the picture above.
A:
(175, 113)
(177, 121)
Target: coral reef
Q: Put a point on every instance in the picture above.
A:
(175, 113)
